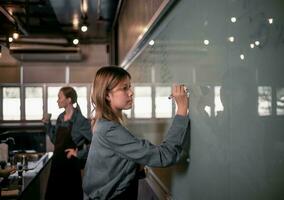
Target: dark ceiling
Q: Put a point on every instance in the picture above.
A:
(54, 21)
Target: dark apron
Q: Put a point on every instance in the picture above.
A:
(65, 177)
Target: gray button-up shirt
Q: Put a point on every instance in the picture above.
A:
(115, 153)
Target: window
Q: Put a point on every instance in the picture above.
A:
(143, 102)
(52, 106)
(217, 101)
(28, 102)
(11, 103)
(264, 100)
(52, 97)
(127, 113)
(82, 99)
(280, 101)
(163, 106)
(33, 103)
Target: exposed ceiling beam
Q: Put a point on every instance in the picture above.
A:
(13, 20)
(21, 2)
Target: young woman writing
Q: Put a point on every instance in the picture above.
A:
(115, 154)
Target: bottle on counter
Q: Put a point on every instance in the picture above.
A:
(20, 170)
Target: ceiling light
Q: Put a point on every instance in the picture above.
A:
(75, 41)
(10, 11)
(252, 45)
(84, 15)
(242, 56)
(84, 28)
(270, 20)
(10, 39)
(152, 42)
(84, 6)
(257, 43)
(75, 21)
(16, 36)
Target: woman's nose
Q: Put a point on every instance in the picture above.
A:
(131, 93)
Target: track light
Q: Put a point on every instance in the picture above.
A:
(84, 15)
(84, 6)
(84, 28)
(75, 41)
(16, 35)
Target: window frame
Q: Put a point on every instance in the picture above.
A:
(44, 87)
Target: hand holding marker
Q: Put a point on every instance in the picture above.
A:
(185, 89)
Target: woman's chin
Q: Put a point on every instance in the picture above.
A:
(127, 107)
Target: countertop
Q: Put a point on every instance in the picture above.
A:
(15, 186)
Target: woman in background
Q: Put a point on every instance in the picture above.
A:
(69, 136)
(112, 167)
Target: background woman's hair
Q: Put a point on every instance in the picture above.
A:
(105, 80)
(69, 92)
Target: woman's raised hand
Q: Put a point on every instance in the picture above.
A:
(180, 95)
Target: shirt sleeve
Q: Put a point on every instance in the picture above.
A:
(50, 131)
(142, 151)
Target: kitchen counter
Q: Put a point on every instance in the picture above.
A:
(32, 183)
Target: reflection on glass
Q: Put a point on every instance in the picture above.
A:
(231, 39)
(206, 42)
(217, 100)
(207, 109)
(11, 103)
(233, 19)
(52, 106)
(257, 43)
(152, 42)
(82, 99)
(162, 103)
(264, 100)
(34, 103)
(142, 102)
(280, 101)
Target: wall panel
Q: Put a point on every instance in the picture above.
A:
(134, 18)
(42, 74)
(9, 74)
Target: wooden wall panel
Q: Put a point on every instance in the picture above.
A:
(82, 74)
(95, 56)
(10, 74)
(134, 18)
(42, 74)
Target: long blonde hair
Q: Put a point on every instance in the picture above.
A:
(105, 80)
